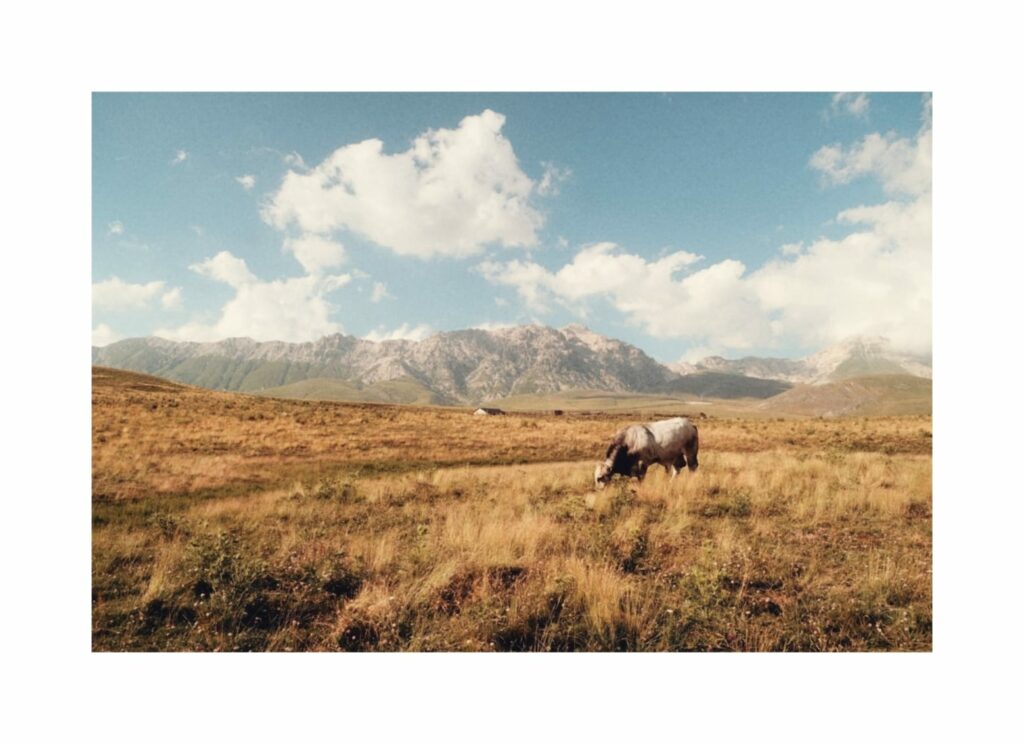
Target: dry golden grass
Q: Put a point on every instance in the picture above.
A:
(226, 522)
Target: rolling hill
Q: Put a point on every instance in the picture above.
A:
(874, 395)
(403, 390)
(722, 385)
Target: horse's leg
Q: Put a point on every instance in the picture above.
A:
(691, 457)
(678, 464)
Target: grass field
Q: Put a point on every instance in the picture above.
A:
(231, 522)
(598, 401)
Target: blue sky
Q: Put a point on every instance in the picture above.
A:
(686, 224)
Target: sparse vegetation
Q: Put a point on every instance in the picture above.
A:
(230, 522)
(403, 390)
(875, 395)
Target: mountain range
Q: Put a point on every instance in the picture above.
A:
(475, 365)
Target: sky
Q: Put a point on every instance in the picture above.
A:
(686, 224)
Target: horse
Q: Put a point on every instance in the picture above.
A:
(672, 443)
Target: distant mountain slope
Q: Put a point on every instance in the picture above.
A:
(875, 395)
(119, 378)
(402, 390)
(855, 357)
(721, 385)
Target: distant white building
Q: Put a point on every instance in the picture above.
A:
(488, 412)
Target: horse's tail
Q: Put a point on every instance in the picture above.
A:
(691, 450)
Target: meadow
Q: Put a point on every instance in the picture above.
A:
(228, 522)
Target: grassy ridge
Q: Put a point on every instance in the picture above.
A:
(875, 395)
(404, 391)
(723, 385)
(598, 401)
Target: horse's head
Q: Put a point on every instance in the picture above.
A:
(604, 471)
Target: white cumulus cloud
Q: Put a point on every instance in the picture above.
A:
(115, 228)
(104, 334)
(315, 252)
(225, 267)
(598, 269)
(380, 292)
(293, 309)
(902, 165)
(247, 181)
(179, 157)
(115, 294)
(451, 193)
(171, 299)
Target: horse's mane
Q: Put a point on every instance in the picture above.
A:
(629, 437)
(618, 441)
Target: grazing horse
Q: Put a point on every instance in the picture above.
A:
(672, 443)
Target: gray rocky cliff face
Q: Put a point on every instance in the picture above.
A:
(469, 365)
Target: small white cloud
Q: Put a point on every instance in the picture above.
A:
(489, 326)
(171, 299)
(529, 279)
(697, 353)
(403, 332)
(179, 157)
(902, 165)
(104, 334)
(316, 253)
(116, 295)
(224, 267)
(247, 181)
(115, 228)
(380, 292)
(791, 249)
(500, 301)
(552, 178)
(854, 104)
(294, 160)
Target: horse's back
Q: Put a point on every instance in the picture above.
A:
(673, 432)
